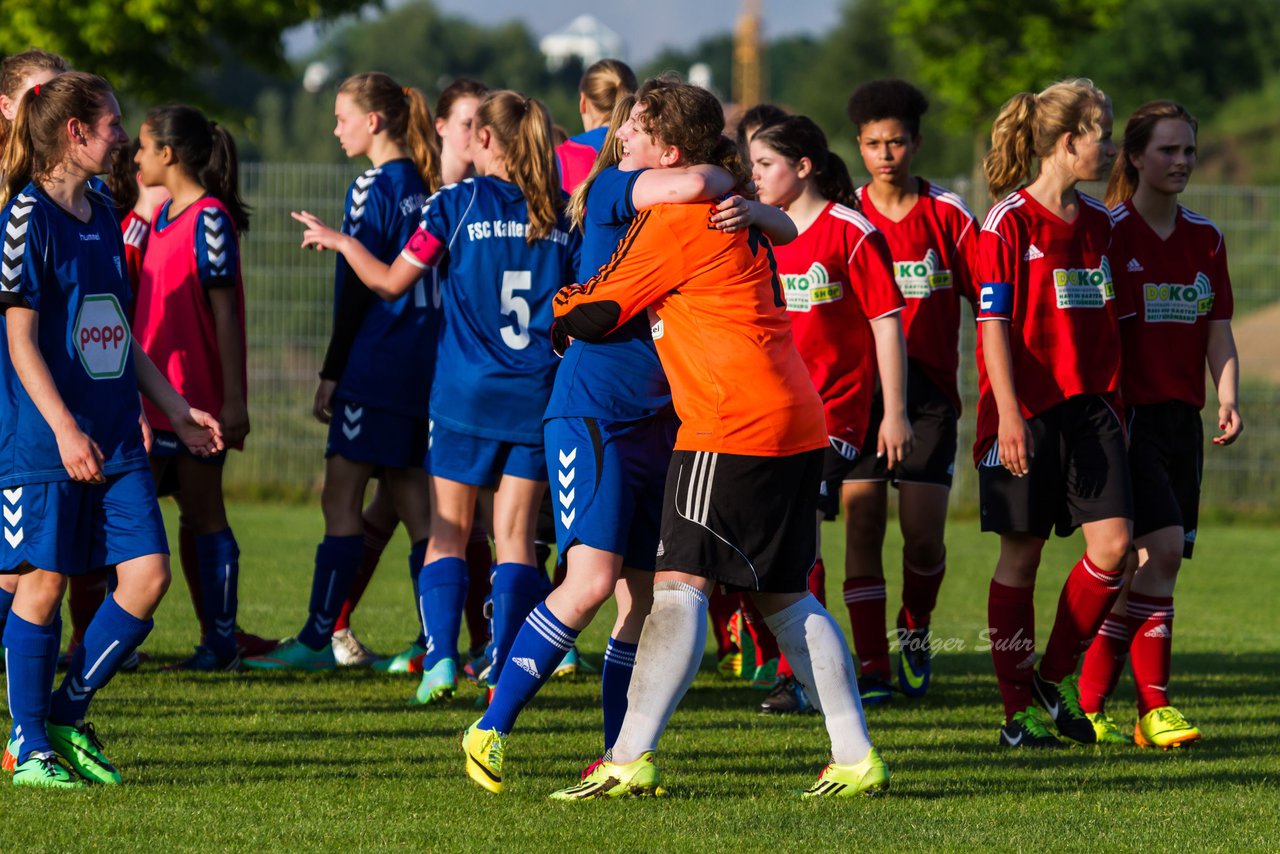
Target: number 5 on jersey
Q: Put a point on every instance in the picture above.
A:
(516, 337)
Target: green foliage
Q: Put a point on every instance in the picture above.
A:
(160, 48)
(422, 47)
(975, 54)
(280, 762)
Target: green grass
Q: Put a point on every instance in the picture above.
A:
(280, 762)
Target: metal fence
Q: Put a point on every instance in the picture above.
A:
(289, 294)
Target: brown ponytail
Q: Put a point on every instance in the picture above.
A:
(522, 126)
(797, 137)
(407, 115)
(604, 82)
(38, 142)
(1030, 125)
(610, 155)
(1137, 136)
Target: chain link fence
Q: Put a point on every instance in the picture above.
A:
(290, 296)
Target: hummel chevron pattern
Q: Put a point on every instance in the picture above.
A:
(359, 195)
(13, 534)
(215, 238)
(351, 416)
(15, 242)
(566, 475)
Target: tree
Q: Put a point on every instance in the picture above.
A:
(161, 48)
(976, 54)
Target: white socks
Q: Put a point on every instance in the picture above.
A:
(819, 656)
(667, 658)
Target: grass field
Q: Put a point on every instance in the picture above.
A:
(280, 762)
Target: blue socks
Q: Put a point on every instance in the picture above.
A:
(111, 636)
(442, 593)
(615, 679)
(417, 555)
(337, 562)
(219, 560)
(541, 643)
(6, 602)
(31, 657)
(517, 588)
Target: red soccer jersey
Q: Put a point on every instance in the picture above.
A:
(135, 230)
(837, 275)
(1051, 281)
(935, 252)
(1178, 285)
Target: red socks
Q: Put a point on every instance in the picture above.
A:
(1104, 662)
(87, 592)
(1086, 599)
(1011, 617)
(818, 582)
(919, 593)
(722, 607)
(766, 644)
(1151, 622)
(865, 599)
(375, 543)
(479, 567)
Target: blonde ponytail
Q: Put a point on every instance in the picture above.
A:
(522, 126)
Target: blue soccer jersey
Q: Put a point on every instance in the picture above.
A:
(619, 378)
(74, 275)
(392, 352)
(594, 137)
(494, 362)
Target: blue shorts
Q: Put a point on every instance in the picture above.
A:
(481, 462)
(74, 528)
(608, 481)
(363, 434)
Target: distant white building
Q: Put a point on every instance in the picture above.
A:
(586, 38)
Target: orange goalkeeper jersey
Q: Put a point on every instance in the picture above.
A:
(720, 326)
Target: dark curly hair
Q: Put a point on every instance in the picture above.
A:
(888, 99)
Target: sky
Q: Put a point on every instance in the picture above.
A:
(646, 26)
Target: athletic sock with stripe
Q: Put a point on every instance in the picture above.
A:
(442, 590)
(31, 657)
(219, 558)
(538, 647)
(110, 638)
(517, 588)
(615, 681)
(337, 561)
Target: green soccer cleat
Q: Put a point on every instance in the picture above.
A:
(868, 777)
(438, 684)
(1165, 728)
(569, 665)
(1029, 729)
(293, 654)
(484, 748)
(408, 660)
(1106, 729)
(765, 676)
(638, 779)
(79, 746)
(1062, 701)
(45, 771)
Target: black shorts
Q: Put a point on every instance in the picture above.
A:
(933, 456)
(1079, 473)
(747, 522)
(166, 446)
(1166, 460)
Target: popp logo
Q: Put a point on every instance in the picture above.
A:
(101, 336)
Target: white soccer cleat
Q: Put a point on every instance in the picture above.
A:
(348, 651)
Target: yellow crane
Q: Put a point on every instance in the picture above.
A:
(748, 74)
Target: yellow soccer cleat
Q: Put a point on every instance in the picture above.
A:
(1106, 729)
(638, 779)
(868, 777)
(1165, 728)
(484, 749)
